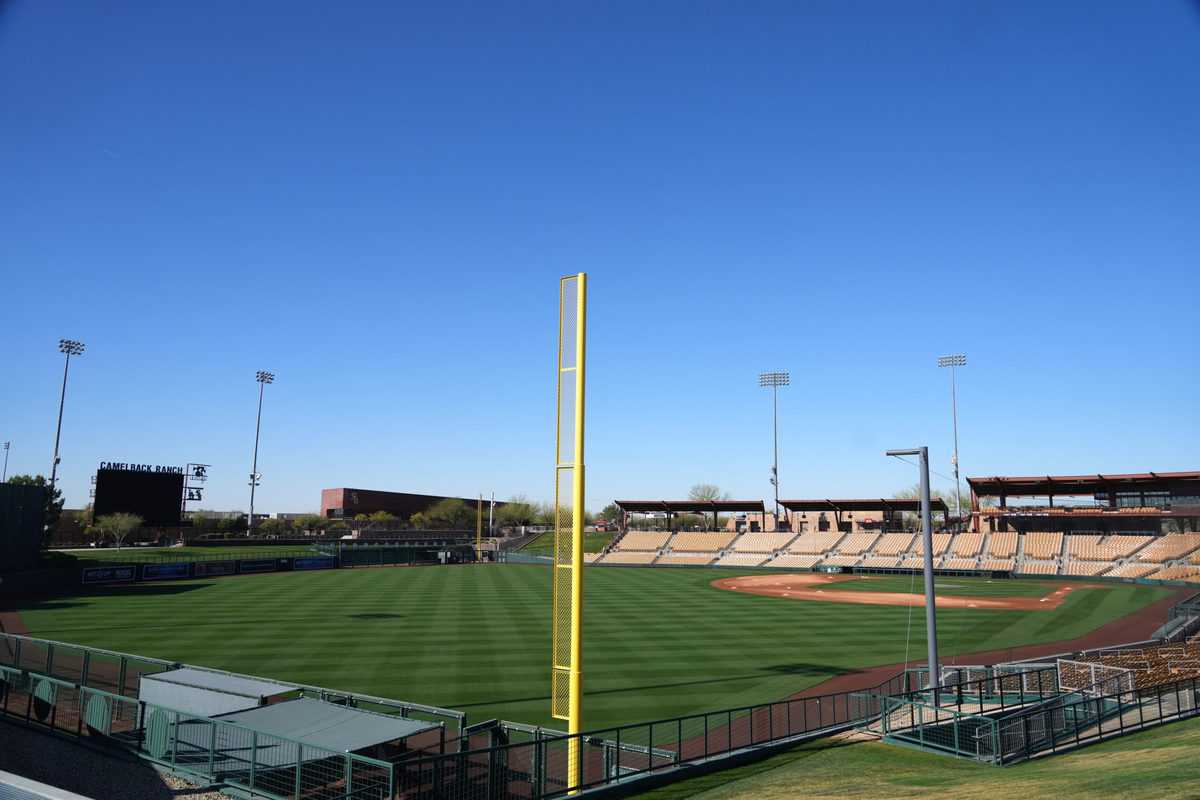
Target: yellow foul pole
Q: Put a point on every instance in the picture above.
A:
(567, 644)
(479, 530)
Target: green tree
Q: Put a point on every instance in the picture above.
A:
(381, 516)
(450, 514)
(119, 526)
(417, 520)
(914, 493)
(611, 512)
(707, 491)
(54, 503)
(312, 522)
(274, 527)
(516, 511)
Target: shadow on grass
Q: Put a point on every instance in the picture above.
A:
(808, 670)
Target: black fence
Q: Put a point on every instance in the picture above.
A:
(536, 764)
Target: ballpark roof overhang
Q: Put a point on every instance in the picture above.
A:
(695, 506)
(1039, 485)
(863, 504)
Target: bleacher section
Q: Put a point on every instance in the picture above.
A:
(1073, 567)
(1169, 547)
(968, 545)
(814, 543)
(741, 559)
(1043, 545)
(643, 540)
(940, 542)
(691, 559)
(1003, 544)
(893, 544)
(857, 543)
(701, 542)
(798, 562)
(761, 542)
(622, 557)
(1128, 556)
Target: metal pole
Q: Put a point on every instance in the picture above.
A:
(4, 475)
(254, 466)
(930, 594)
(575, 725)
(930, 597)
(58, 432)
(775, 464)
(491, 509)
(954, 412)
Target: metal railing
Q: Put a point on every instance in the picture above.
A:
(210, 750)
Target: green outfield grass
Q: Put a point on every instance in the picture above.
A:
(659, 642)
(543, 545)
(1157, 764)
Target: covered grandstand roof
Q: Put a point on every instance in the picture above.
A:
(862, 504)
(644, 506)
(1036, 485)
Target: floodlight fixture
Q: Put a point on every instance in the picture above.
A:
(263, 376)
(71, 347)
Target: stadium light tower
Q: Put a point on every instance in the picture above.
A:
(263, 379)
(70, 347)
(4, 475)
(927, 539)
(953, 362)
(775, 380)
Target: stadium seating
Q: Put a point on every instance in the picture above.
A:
(643, 540)
(799, 562)
(968, 545)
(959, 564)
(1043, 545)
(1132, 570)
(912, 562)
(814, 543)
(701, 542)
(624, 557)
(940, 542)
(761, 542)
(1003, 544)
(1178, 573)
(1169, 547)
(840, 561)
(741, 559)
(998, 564)
(893, 544)
(857, 543)
(694, 559)
(881, 562)
(1073, 567)
(1038, 567)
(590, 557)
(1111, 548)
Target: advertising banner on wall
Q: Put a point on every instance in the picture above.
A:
(207, 568)
(172, 571)
(314, 562)
(109, 574)
(247, 565)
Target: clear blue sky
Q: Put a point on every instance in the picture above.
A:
(375, 200)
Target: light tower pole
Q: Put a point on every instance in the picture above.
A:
(263, 379)
(927, 538)
(775, 380)
(71, 348)
(953, 362)
(4, 475)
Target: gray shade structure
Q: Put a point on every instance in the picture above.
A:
(199, 691)
(328, 726)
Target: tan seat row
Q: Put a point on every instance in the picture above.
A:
(1042, 545)
(968, 544)
(1169, 547)
(701, 542)
(857, 543)
(1003, 544)
(1072, 567)
(893, 544)
(1039, 567)
(741, 559)
(643, 540)
(814, 543)
(624, 557)
(761, 542)
(799, 562)
(695, 559)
